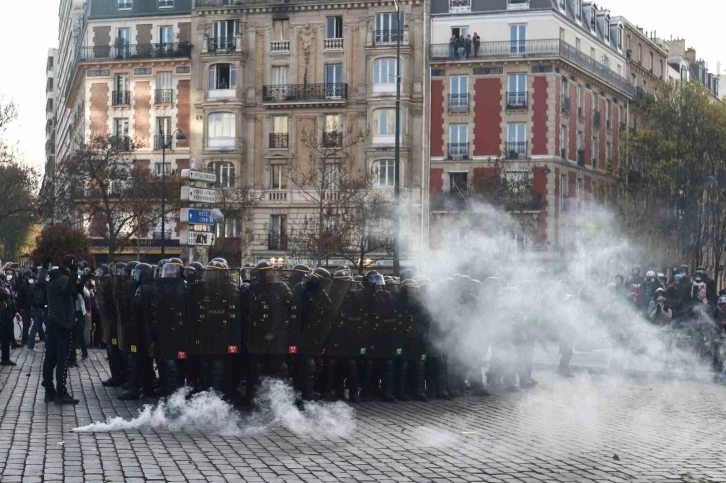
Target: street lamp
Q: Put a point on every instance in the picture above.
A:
(397, 151)
(164, 146)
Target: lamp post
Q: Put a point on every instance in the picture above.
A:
(397, 151)
(164, 146)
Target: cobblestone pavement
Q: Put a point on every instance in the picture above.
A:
(591, 428)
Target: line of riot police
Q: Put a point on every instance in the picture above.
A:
(210, 326)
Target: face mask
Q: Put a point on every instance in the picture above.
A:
(9, 277)
(31, 281)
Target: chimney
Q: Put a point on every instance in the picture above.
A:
(691, 54)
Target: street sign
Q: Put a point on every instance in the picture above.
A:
(194, 175)
(196, 217)
(196, 238)
(198, 195)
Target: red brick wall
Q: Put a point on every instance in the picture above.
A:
(616, 136)
(540, 187)
(558, 114)
(99, 110)
(142, 118)
(539, 116)
(488, 117)
(436, 185)
(572, 136)
(558, 189)
(603, 129)
(183, 112)
(572, 194)
(588, 128)
(437, 117)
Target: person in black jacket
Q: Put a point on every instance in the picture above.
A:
(37, 297)
(6, 327)
(61, 290)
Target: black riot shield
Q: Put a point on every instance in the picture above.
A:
(317, 318)
(270, 316)
(344, 339)
(107, 309)
(123, 297)
(215, 324)
(411, 326)
(170, 318)
(384, 339)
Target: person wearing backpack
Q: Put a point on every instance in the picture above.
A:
(38, 302)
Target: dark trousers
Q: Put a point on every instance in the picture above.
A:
(97, 337)
(5, 350)
(79, 341)
(259, 365)
(57, 351)
(39, 317)
(25, 315)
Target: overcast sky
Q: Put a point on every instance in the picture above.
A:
(24, 50)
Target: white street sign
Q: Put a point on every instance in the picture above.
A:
(198, 195)
(196, 238)
(194, 175)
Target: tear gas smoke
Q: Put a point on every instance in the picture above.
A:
(564, 297)
(206, 413)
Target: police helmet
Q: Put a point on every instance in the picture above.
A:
(190, 274)
(120, 268)
(196, 266)
(650, 275)
(301, 268)
(129, 269)
(373, 279)
(408, 274)
(722, 300)
(343, 275)
(143, 272)
(172, 268)
(318, 275)
(162, 262)
(264, 273)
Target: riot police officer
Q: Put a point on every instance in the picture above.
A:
(410, 364)
(139, 338)
(107, 308)
(169, 324)
(342, 348)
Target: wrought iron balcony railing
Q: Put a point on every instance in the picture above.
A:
(333, 139)
(517, 100)
(546, 48)
(276, 242)
(164, 96)
(515, 150)
(120, 143)
(120, 98)
(305, 92)
(162, 142)
(459, 102)
(278, 140)
(387, 37)
(458, 151)
(135, 51)
(221, 44)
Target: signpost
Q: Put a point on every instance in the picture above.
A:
(198, 195)
(196, 238)
(194, 216)
(193, 175)
(200, 222)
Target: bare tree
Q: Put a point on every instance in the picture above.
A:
(237, 203)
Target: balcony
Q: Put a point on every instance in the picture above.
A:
(443, 202)
(515, 150)
(221, 45)
(277, 196)
(286, 94)
(163, 96)
(596, 119)
(277, 46)
(279, 141)
(517, 100)
(537, 49)
(333, 139)
(581, 157)
(120, 143)
(458, 151)
(525, 202)
(333, 44)
(459, 6)
(388, 37)
(135, 51)
(162, 142)
(566, 104)
(120, 98)
(458, 102)
(276, 242)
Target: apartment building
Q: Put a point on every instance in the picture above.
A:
(51, 88)
(647, 59)
(268, 74)
(125, 73)
(687, 66)
(542, 95)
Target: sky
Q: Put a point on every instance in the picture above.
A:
(698, 21)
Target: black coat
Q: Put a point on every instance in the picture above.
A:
(61, 291)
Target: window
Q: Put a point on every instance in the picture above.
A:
(279, 124)
(221, 130)
(121, 127)
(331, 175)
(578, 44)
(516, 140)
(384, 71)
(578, 9)
(387, 30)
(334, 28)
(662, 71)
(222, 76)
(640, 53)
(280, 74)
(561, 4)
(334, 73)
(458, 134)
(225, 173)
(650, 64)
(460, 32)
(124, 4)
(162, 138)
(166, 35)
(384, 172)
(517, 90)
(563, 191)
(223, 33)
(277, 237)
(163, 80)
(592, 53)
(608, 151)
(562, 33)
(333, 132)
(606, 28)
(609, 110)
(279, 136)
(580, 142)
(595, 151)
(517, 39)
(384, 121)
(229, 228)
(280, 30)
(123, 39)
(121, 95)
(563, 141)
(280, 173)
(166, 169)
(578, 193)
(580, 100)
(459, 93)
(166, 3)
(620, 38)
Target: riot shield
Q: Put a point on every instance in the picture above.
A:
(123, 298)
(318, 319)
(270, 312)
(169, 314)
(384, 339)
(107, 309)
(343, 339)
(215, 324)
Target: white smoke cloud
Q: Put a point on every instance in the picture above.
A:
(207, 413)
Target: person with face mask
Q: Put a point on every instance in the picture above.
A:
(659, 312)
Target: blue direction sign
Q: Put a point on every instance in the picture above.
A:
(196, 217)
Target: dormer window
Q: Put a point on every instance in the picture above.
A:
(561, 3)
(620, 37)
(578, 9)
(607, 28)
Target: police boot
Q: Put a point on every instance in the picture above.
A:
(441, 392)
(401, 369)
(148, 377)
(329, 387)
(217, 375)
(308, 392)
(116, 378)
(388, 381)
(171, 382)
(352, 382)
(420, 381)
(132, 393)
(367, 381)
